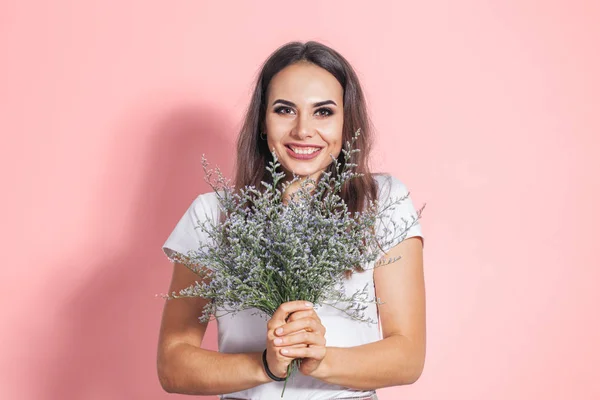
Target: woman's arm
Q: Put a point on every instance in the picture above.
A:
(183, 367)
(399, 358)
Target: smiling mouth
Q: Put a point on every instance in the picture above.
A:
(303, 153)
(303, 150)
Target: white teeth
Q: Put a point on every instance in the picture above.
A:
(304, 150)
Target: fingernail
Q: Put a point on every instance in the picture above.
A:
(284, 351)
(279, 331)
(278, 341)
(308, 304)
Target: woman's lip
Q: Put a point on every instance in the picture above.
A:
(304, 145)
(302, 156)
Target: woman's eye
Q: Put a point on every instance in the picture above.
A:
(283, 110)
(324, 112)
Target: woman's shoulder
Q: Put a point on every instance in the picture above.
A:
(207, 197)
(206, 204)
(389, 185)
(396, 205)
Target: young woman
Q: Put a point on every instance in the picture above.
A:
(306, 105)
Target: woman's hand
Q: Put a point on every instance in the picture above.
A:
(302, 336)
(277, 360)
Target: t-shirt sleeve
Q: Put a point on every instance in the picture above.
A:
(188, 234)
(402, 221)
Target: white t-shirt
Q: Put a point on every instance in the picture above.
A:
(247, 332)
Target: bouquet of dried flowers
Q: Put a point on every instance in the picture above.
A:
(267, 251)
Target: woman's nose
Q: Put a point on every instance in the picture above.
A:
(303, 128)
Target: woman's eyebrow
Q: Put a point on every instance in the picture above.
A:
(291, 104)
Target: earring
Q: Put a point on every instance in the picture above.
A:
(263, 136)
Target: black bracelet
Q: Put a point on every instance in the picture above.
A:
(275, 378)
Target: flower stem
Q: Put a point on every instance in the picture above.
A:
(294, 366)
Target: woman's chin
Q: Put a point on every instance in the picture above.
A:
(302, 171)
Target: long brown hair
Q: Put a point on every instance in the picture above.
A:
(253, 154)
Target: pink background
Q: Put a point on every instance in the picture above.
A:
(487, 110)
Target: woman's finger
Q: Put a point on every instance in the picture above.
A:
(316, 352)
(309, 338)
(303, 314)
(284, 310)
(307, 324)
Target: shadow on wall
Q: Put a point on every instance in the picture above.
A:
(110, 323)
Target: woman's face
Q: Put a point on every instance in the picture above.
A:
(304, 119)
